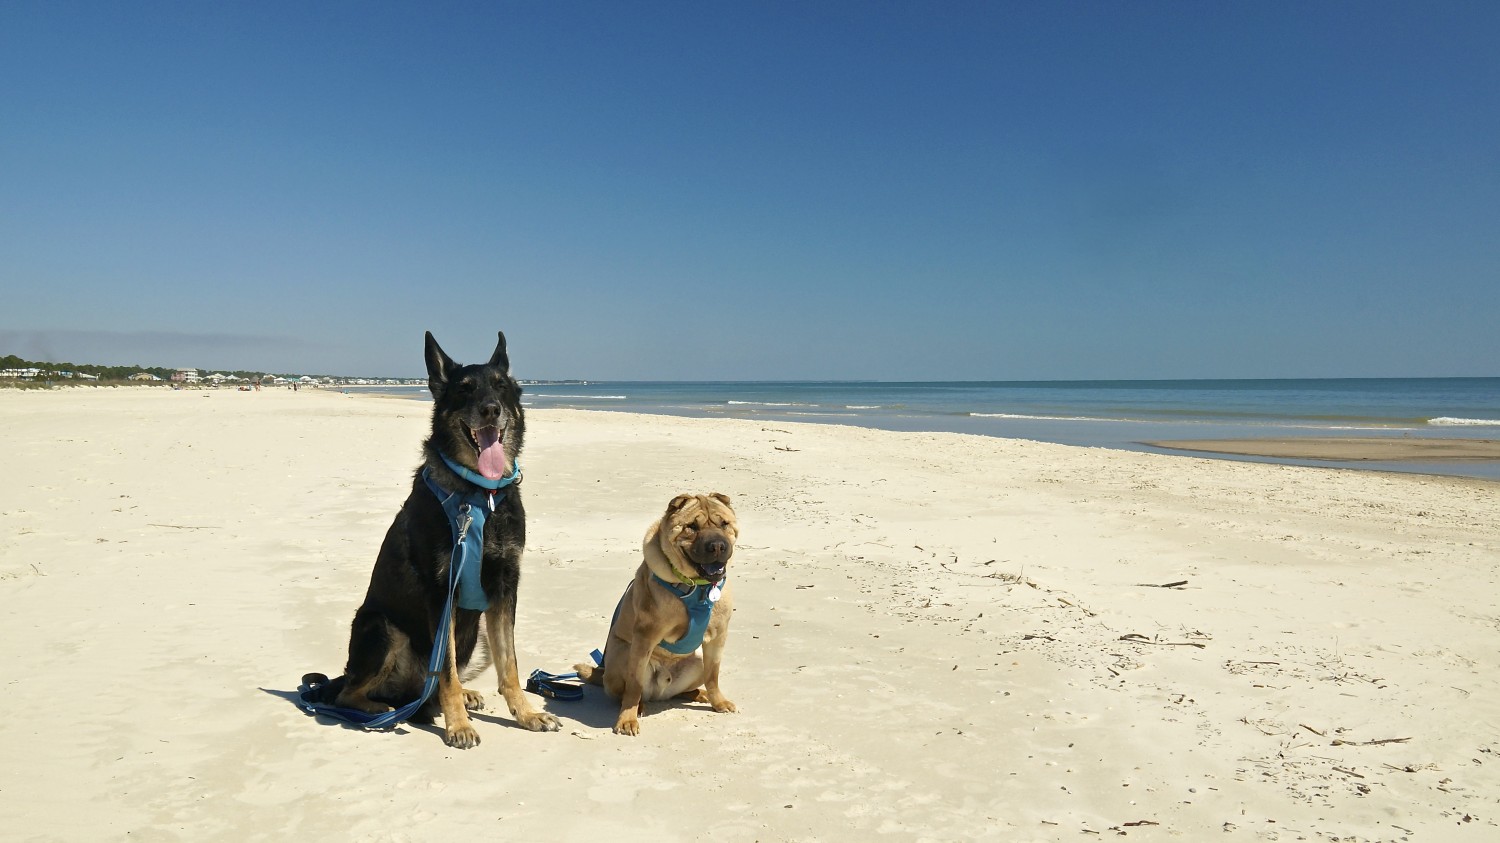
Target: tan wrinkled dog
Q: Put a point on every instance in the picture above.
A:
(682, 577)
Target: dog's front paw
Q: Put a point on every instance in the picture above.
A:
(539, 721)
(628, 724)
(723, 706)
(473, 700)
(461, 737)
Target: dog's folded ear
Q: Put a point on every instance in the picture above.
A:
(500, 359)
(439, 365)
(678, 503)
(720, 497)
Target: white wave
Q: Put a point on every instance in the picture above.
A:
(1450, 421)
(861, 406)
(579, 397)
(767, 403)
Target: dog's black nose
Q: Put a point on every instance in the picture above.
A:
(711, 547)
(490, 411)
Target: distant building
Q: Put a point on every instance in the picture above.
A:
(143, 376)
(186, 376)
(24, 374)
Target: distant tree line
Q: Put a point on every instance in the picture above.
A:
(107, 373)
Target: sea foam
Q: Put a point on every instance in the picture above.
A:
(1453, 422)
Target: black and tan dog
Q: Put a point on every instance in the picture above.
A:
(678, 603)
(477, 430)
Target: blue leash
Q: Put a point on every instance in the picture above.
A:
(466, 517)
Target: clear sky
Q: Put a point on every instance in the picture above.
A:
(755, 190)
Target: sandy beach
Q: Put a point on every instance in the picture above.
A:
(937, 636)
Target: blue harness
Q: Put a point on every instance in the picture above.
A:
(466, 516)
(699, 602)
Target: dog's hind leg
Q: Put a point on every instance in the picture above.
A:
(376, 649)
(500, 624)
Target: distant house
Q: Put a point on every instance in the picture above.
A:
(25, 374)
(186, 376)
(143, 376)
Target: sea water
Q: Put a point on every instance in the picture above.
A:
(1111, 414)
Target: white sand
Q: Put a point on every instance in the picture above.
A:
(930, 640)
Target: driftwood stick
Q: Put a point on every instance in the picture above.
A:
(1178, 584)
(1141, 639)
(1380, 742)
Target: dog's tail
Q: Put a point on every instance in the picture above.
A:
(479, 662)
(590, 673)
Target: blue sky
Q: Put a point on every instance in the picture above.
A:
(764, 190)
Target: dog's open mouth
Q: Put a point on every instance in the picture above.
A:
(491, 444)
(713, 572)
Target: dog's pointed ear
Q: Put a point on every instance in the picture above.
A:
(678, 503)
(500, 359)
(720, 497)
(439, 365)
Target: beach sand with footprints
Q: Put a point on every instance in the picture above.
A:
(937, 636)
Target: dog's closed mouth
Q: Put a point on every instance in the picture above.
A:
(491, 444)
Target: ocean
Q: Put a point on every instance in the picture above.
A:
(1111, 414)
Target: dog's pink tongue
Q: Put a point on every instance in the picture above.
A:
(491, 454)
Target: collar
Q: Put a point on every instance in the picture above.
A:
(480, 480)
(705, 591)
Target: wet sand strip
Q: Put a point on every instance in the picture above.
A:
(1345, 449)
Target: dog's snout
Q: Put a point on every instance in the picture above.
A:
(712, 547)
(490, 411)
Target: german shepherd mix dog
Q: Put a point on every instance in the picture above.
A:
(669, 630)
(477, 427)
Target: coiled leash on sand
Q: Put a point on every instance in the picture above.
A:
(466, 516)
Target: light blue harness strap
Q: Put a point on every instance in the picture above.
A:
(700, 607)
(466, 516)
(699, 603)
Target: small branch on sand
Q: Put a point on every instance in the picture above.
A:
(1141, 639)
(38, 570)
(1380, 742)
(1178, 584)
(779, 448)
(1029, 636)
(1314, 731)
(178, 527)
(1347, 772)
(1071, 604)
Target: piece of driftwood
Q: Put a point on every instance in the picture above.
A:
(1141, 639)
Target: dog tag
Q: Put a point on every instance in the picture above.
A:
(714, 593)
(492, 501)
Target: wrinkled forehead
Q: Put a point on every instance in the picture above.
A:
(701, 511)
